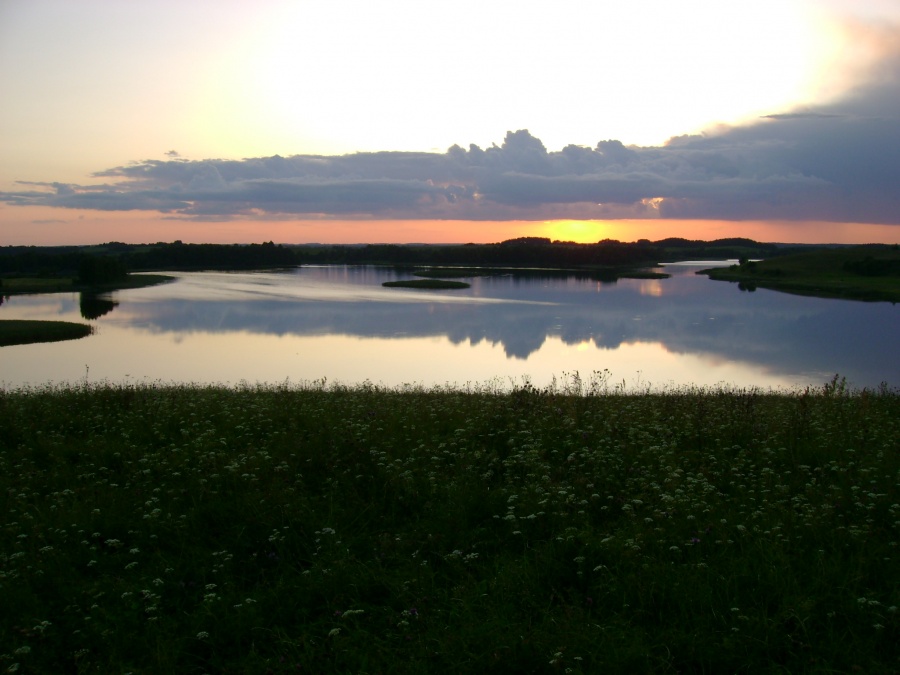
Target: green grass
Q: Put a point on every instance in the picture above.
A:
(22, 332)
(433, 284)
(860, 273)
(164, 529)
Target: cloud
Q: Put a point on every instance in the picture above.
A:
(799, 115)
(837, 162)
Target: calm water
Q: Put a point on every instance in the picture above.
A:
(339, 323)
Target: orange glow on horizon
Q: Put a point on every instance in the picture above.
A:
(44, 226)
(579, 231)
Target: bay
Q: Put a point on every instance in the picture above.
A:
(339, 325)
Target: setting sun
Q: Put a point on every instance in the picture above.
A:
(578, 231)
(350, 122)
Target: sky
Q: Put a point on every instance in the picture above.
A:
(350, 121)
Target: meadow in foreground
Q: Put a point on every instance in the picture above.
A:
(363, 530)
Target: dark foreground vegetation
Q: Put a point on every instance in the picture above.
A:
(860, 273)
(163, 529)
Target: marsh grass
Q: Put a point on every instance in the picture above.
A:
(339, 529)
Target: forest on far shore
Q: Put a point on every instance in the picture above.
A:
(523, 252)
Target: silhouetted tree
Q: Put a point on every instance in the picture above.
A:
(95, 270)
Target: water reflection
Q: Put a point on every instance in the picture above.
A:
(94, 306)
(339, 322)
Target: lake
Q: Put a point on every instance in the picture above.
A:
(339, 323)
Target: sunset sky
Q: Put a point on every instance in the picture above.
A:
(359, 121)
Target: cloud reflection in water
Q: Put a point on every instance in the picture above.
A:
(697, 329)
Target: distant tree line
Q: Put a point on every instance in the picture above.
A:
(511, 253)
(540, 252)
(107, 262)
(179, 256)
(34, 261)
(96, 270)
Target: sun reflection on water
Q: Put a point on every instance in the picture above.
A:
(651, 287)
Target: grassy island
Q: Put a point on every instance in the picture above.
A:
(23, 332)
(432, 284)
(857, 273)
(347, 530)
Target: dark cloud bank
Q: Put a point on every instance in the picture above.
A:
(836, 163)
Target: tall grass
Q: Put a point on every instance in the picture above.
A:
(187, 529)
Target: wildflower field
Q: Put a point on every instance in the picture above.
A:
(189, 529)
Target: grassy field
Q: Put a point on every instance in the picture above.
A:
(23, 332)
(858, 273)
(162, 529)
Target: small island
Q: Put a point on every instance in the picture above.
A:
(23, 332)
(430, 284)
